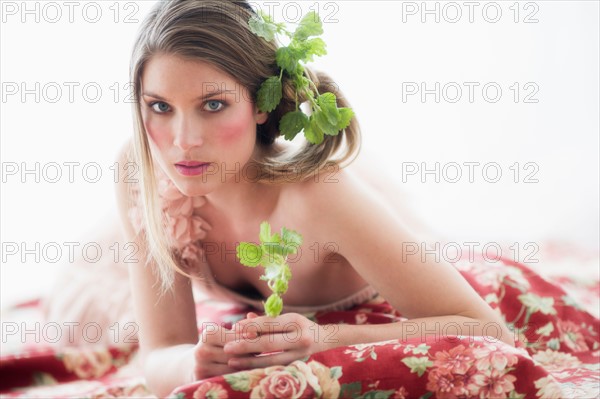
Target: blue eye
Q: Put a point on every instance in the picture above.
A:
(162, 107)
(213, 105)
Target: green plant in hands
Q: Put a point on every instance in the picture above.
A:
(272, 255)
(325, 117)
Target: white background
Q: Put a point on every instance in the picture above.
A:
(374, 47)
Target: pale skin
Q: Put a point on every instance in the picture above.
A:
(354, 216)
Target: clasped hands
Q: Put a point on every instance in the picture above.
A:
(258, 342)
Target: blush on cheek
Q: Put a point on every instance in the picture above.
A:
(234, 130)
(155, 133)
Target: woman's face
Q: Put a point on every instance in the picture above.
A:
(201, 123)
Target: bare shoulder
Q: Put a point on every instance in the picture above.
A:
(327, 201)
(337, 195)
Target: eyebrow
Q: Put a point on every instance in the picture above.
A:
(204, 97)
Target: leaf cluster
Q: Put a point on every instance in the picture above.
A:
(272, 254)
(325, 118)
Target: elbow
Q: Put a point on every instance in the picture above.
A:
(490, 324)
(495, 330)
(157, 391)
(166, 368)
(150, 371)
(507, 337)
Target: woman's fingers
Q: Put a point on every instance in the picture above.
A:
(296, 340)
(251, 315)
(266, 324)
(210, 358)
(261, 361)
(211, 354)
(257, 341)
(216, 335)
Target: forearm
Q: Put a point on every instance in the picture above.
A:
(167, 368)
(421, 329)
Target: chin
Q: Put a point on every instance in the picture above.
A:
(185, 188)
(190, 187)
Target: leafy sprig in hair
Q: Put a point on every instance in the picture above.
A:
(325, 118)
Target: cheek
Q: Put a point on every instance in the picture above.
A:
(235, 130)
(157, 133)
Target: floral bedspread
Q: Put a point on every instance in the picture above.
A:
(552, 311)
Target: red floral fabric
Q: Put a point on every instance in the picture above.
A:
(554, 319)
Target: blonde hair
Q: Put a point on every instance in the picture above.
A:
(217, 32)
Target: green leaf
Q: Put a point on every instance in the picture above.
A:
(238, 381)
(269, 94)
(291, 239)
(422, 349)
(290, 236)
(328, 116)
(292, 123)
(350, 390)
(265, 232)
(553, 343)
(262, 25)
(271, 255)
(280, 287)
(313, 132)
(346, 115)
(310, 25)
(417, 364)
(275, 248)
(274, 305)
(276, 238)
(516, 395)
(536, 303)
(287, 273)
(335, 373)
(249, 254)
(325, 126)
(328, 104)
(287, 59)
(306, 50)
(545, 330)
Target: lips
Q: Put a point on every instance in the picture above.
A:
(191, 168)
(191, 164)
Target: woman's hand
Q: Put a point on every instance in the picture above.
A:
(209, 358)
(266, 341)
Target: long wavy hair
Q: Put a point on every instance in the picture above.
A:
(217, 32)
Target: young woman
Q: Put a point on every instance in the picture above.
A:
(212, 168)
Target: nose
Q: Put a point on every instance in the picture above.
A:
(188, 132)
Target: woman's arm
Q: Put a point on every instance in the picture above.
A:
(430, 292)
(167, 325)
(422, 286)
